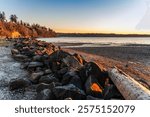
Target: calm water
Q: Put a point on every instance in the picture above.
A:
(100, 41)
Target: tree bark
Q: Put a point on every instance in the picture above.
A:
(128, 87)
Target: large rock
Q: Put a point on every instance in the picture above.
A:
(43, 86)
(72, 78)
(71, 62)
(20, 57)
(58, 55)
(35, 64)
(79, 58)
(48, 79)
(36, 76)
(95, 70)
(37, 58)
(93, 88)
(110, 91)
(18, 84)
(14, 51)
(63, 92)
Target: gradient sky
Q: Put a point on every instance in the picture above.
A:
(95, 16)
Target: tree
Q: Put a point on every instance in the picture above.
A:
(13, 18)
(2, 16)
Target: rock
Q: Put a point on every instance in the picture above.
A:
(36, 76)
(71, 62)
(63, 71)
(72, 78)
(69, 98)
(93, 88)
(37, 58)
(14, 51)
(48, 79)
(45, 94)
(79, 58)
(43, 86)
(110, 92)
(55, 66)
(24, 65)
(58, 55)
(20, 57)
(95, 70)
(89, 97)
(35, 64)
(18, 84)
(47, 71)
(62, 92)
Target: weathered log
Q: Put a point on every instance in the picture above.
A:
(128, 87)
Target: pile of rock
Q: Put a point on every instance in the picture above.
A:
(57, 74)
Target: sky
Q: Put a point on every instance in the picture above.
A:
(83, 16)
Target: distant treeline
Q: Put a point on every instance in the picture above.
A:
(15, 28)
(99, 35)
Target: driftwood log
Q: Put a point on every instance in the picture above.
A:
(128, 87)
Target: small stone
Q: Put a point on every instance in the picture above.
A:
(47, 71)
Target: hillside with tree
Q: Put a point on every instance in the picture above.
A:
(15, 28)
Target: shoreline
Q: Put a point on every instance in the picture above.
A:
(141, 75)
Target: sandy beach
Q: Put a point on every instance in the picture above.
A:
(133, 60)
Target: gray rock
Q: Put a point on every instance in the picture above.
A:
(48, 79)
(18, 84)
(45, 94)
(14, 51)
(20, 57)
(37, 58)
(63, 92)
(71, 62)
(89, 97)
(36, 76)
(35, 64)
(47, 71)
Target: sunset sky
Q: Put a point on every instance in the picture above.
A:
(83, 16)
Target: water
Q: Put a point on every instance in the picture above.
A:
(100, 41)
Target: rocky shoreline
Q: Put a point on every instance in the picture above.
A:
(57, 75)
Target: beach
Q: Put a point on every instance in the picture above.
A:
(133, 60)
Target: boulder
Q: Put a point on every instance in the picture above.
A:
(93, 88)
(48, 79)
(71, 62)
(70, 90)
(79, 58)
(18, 84)
(43, 86)
(37, 58)
(36, 76)
(58, 55)
(97, 71)
(14, 51)
(20, 57)
(47, 71)
(110, 91)
(45, 94)
(35, 64)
